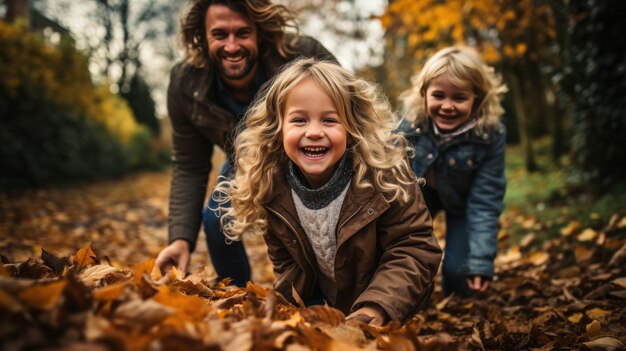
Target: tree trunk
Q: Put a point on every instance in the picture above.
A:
(522, 120)
(17, 9)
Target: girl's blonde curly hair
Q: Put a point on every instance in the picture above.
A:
(379, 154)
(465, 69)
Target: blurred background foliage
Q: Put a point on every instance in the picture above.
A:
(58, 126)
(563, 60)
(94, 103)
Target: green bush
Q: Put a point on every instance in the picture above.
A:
(56, 126)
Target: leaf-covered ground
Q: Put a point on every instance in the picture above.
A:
(78, 273)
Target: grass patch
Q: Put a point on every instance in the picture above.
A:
(544, 202)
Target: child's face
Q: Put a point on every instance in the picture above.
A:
(313, 136)
(448, 106)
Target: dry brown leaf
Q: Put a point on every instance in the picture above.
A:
(43, 296)
(93, 275)
(605, 343)
(144, 313)
(323, 314)
(476, 340)
(620, 294)
(582, 253)
(527, 240)
(259, 291)
(84, 257)
(619, 257)
(441, 305)
(296, 297)
(348, 334)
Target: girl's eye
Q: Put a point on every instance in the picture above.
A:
(460, 98)
(437, 95)
(331, 121)
(298, 120)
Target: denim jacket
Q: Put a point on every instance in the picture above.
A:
(469, 172)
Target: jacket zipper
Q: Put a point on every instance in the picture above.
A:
(306, 257)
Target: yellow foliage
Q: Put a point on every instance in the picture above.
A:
(60, 72)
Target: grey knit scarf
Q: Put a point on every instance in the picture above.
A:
(319, 198)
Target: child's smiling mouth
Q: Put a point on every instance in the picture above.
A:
(314, 151)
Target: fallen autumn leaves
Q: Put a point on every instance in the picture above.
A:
(567, 294)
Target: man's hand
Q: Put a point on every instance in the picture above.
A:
(176, 254)
(478, 283)
(370, 314)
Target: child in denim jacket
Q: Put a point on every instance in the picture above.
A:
(453, 116)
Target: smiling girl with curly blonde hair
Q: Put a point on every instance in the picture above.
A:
(322, 176)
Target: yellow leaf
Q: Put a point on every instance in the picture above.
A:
(575, 318)
(622, 223)
(84, 257)
(502, 234)
(513, 254)
(538, 258)
(571, 228)
(110, 292)
(187, 307)
(174, 274)
(597, 313)
(43, 297)
(593, 329)
(145, 266)
(587, 235)
(520, 49)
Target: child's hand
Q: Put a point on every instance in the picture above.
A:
(175, 254)
(370, 314)
(478, 283)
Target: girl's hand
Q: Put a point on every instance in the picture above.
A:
(478, 283)
(370, 314)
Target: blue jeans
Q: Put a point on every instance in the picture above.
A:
(457, 246)
(229, 258)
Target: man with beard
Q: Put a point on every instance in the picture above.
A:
(232, 48)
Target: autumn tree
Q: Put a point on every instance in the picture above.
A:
(121, 37)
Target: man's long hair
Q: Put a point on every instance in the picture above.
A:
(271, 21)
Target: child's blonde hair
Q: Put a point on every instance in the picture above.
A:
(465, 70)
(379, 154)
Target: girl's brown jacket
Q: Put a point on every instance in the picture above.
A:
(386, 252)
